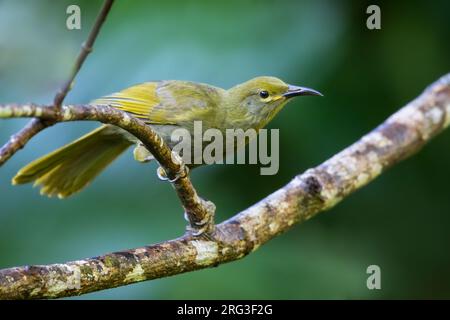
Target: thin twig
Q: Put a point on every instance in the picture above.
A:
(18, 141)
(86, 48)
(316, 190)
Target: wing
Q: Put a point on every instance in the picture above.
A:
(137, 100)
(183, 102)
(167, 102)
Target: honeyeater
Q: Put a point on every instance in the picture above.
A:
(165, 106)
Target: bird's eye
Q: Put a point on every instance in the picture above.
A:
(264, 94)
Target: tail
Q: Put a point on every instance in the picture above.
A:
(72, 167)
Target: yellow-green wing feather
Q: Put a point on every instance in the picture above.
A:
(137, 100)
(183, 102)
(167, 102)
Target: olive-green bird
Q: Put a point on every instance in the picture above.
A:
(166, 106)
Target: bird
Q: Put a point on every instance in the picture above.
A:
(165, 106)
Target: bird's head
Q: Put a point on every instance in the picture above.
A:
(263, 97)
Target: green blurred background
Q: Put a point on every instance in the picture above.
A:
(399, 222)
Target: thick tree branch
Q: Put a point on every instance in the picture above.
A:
(316, 190)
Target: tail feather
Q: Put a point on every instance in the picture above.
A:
(72, 167)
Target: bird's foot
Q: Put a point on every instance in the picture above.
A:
(204, 227)
(162, 175)
(200, 228)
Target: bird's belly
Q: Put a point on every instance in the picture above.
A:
(195, 139)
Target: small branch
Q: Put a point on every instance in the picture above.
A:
(316, 190)
(199, 212)
(86, 48)
(20, 139)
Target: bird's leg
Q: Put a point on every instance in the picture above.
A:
(196, 227)
(141, 153)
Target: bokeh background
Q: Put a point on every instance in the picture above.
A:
(399, 222)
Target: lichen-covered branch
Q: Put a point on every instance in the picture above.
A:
(316, 190)
(200, 212)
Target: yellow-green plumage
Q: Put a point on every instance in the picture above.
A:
(70, 168)
(165, 105)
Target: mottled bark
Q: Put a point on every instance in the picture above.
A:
(314, 191)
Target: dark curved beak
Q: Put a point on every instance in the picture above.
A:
(294, 91)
